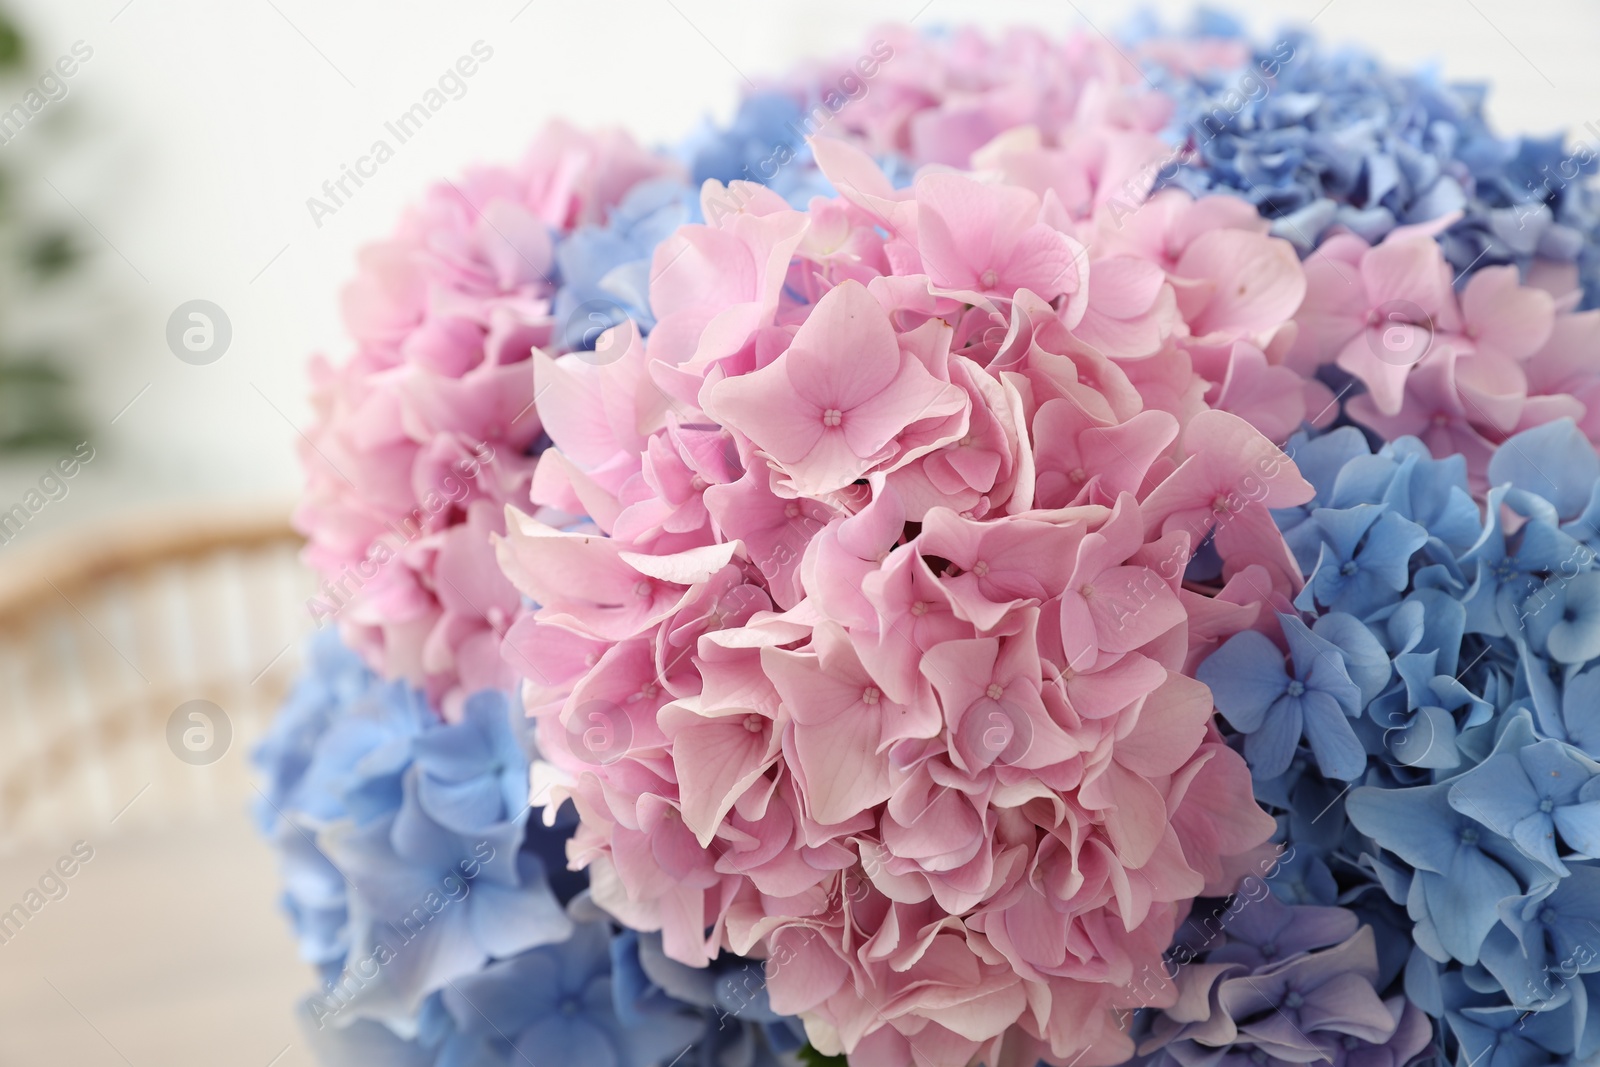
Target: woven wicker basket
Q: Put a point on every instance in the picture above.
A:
(104, 634)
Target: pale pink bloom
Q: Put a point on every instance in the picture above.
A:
(843, 723)
(1078, 461)
(987, 240)
(1130, 310)
(423, 437)
(833, 406)
(711, 285)
(1271, 397)
(885, 599)
(1502, 317)
(941, 100)
(1159, 230)
(1371, 309)
(1435, 410)
(1242, 285)
(1109, 606)
(1461, 373)
(1562, 378)
(985, 470)
(1226, 488)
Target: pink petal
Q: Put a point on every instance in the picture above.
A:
(1259, 283)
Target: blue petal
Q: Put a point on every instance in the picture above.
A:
(1320, 665)
(1578, 709)
(1270, 749)
(1580, 827)
(1365, 660)
(1557, 770)
(1555, 461)
(1463, 902)
(506, 921)
(1429, 740)
(1333, 742)
(1343, 529)
(1245, 676)
(1389, 547)
(1417, 824)
(1575, 637)
(1325, 459)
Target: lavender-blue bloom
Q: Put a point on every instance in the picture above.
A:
(333, 679)
(308, 759)
(1529, 790)
(764, 136)
(431, 903)
(1473, 650)
(1273, 707)
(1364, 561)
(1461, 869)
(1240, 1006)
(1264, 932)
(472, 777)
(1565, 709)
(1490, 1031)
(1554, 461)
(555, 1005)
(1511, 568)
(605, 270)
(739, 1027)
(366, 1042)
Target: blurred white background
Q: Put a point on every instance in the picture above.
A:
(209, 124)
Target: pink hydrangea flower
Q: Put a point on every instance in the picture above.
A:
(940, 99)
(1460, 370)
(425, 434)
(872, 663)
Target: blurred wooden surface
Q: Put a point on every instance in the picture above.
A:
(167, 951)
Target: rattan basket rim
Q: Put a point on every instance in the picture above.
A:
(133, 540)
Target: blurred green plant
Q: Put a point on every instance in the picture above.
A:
(13, 49)
(36, 393)
(812, 1058)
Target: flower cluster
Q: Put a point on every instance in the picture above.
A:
(1462, 371)
(1276, 983)
(1392, 184)
(875, 505)
(871, 660)
(1423, 720)
(428, 431)
(939, 98)
(1445, 262)
(443, 925)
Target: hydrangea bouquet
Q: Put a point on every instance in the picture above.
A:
(1010, 552)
